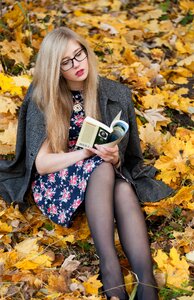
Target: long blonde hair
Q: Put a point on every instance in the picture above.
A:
(51, 93)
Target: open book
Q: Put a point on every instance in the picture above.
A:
(95, 132)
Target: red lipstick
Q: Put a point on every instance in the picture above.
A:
(79, 73)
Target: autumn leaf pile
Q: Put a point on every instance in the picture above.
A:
(149, 46)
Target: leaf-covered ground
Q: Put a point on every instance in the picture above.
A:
(148, 45)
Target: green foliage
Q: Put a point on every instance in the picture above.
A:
(165, 6)
(84, 245)
(187, 19)
(169, 294)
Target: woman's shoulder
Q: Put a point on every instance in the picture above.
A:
(114, 89)
(112, 84)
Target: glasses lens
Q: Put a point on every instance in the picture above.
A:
(81, 55)
(68, 64)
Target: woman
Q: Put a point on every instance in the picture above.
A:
(109, 181)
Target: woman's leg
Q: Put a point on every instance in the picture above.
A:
(99, 206)
(134, 239)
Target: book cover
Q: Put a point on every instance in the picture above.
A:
(95, 132)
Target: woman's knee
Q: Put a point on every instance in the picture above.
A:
(122, 186)
(105, 172)
(124, 190)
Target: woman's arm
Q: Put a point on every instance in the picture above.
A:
(48, 162)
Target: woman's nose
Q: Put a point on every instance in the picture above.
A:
(76, 63)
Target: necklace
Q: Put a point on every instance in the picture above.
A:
(77, 107)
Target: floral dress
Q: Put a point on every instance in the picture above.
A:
(58, 195)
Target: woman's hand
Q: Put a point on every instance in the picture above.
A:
(108, 154)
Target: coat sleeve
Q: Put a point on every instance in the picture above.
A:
(11, 166)
(147, 187)
(15, 175)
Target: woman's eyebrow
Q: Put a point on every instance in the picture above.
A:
(74, 52)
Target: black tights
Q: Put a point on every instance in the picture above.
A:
(108, 199)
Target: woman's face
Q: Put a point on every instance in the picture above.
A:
(74, 65)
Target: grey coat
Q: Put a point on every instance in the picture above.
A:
(16, 175)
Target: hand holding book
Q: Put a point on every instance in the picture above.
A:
(95, 132)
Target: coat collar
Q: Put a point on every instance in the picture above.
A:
(106, 90)
(106, 95)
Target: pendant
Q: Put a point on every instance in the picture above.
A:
(77, 107)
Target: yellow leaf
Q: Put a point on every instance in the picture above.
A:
(7, 85)
(153, 26)
(7, 105)
(165, 207)
(176, 268)
(92, 285)
(184, 72)
(187, 5)
(22, 80)
(70, 238)
(186, 61)
(152, 137)
(26, 265)
(161, 259)
(6, 239)
(34, 261)
(5, 228)
(185, 298)
(184, 239)
(9, 259)
(115, 5)
(168, 176)
(153, 101)
(157, 53)
(57, 283)
(177, 155)
(185, 134)
(129, 56)
(190, 256)
(15, 17)
(9, 135)
(179, 80)
(19, 52)
(130, 281)
(152, 14)
(78, 13)
(6, 149)
(27, 246)
(183, 48)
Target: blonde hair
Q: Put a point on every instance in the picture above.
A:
(51, 93)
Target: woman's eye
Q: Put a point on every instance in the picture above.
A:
(65, 63)
(79, 53)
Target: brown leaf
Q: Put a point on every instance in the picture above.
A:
(58, 283)
(69, 265)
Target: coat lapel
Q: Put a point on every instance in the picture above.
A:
(108, 102)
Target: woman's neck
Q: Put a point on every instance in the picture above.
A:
(75, 86)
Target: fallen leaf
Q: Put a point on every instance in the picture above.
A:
(5, 228)
(190, 256)
(92, 285)
(69, 265)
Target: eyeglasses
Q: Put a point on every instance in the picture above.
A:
(69, 63)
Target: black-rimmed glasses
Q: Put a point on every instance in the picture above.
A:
(69, 63)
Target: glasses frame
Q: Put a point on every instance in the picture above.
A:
(75, 58)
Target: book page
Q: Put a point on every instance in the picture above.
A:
(119, 129)
(118, 116)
